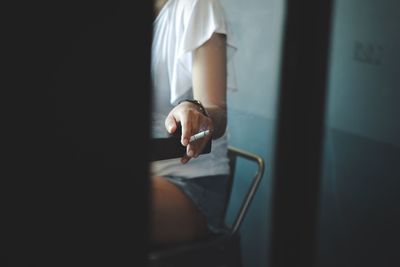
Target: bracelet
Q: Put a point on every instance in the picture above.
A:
(198, 104)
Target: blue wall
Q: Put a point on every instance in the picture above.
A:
(257, 26)
(360, 197)
(360, 181)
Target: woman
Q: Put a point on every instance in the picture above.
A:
(189, 71)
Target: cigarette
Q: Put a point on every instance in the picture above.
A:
(199, 136)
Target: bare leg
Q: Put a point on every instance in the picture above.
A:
(174, 217)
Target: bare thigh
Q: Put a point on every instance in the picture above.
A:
(174, 217)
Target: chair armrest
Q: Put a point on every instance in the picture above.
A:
(236, 152)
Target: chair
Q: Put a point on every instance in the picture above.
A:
(217, 250)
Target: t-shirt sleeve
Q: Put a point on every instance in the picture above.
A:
(202, 19)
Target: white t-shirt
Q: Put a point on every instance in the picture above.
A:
(180, 28)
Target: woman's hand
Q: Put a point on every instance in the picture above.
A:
(192, 121)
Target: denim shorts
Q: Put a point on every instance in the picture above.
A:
(208, 193)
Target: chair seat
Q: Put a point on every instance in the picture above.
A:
(221, 250)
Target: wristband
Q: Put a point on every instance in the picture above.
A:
(198, 104)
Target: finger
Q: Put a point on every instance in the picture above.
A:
(171, 124)
(196, 147)
(185, 159)
(186, 125)
(190, 150)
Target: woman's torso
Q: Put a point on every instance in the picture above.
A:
(167, 58)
